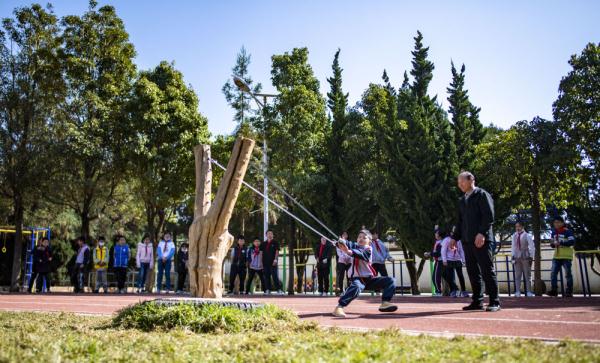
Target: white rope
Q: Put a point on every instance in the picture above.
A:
(276, 204)
(280, 188)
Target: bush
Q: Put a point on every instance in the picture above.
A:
(208, 318)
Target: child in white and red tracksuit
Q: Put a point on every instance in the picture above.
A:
(362, 275)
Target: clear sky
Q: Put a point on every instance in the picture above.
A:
(515, 51)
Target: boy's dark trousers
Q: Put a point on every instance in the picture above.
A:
(237, 271)
(480, 265)
(448, 274)
(380, 268)
(181, 276)
(357, 285)
(323, 276)
(437, 276)
(251, 274)
(78, 278)
(41, 277)
(121, 273)
(271, 272)
(340, 275)
(459, 274)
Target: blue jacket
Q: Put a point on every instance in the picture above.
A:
(381, 254)
(361, 261)
(121, 255)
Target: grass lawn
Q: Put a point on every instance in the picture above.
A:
(54, 337)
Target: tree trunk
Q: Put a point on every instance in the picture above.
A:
(18, 251)
(209, 238)
(539, 287)
(412, 270)
(85, 226)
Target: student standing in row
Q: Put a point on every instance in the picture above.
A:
(453, 257)
(270, 250)
(42, 257)
(255, 265)
(182, 266)
(435, 254)
(164, 252)
(380, 255)
(343, 264)
(238, 264)
(563, 241)
(101, 265)
(323, 252)
(121, 262)
(144, 260)
(81, 267)
(523, 250)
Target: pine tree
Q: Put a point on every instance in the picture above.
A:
(337, 102)
(238, 100)
(468, 130)
(422, 70)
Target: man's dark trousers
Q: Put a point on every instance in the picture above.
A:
(480, 264)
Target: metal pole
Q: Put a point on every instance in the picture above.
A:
(265, 190)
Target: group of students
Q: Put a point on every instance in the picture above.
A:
(448, 262)
(258, 260)
(101, 259)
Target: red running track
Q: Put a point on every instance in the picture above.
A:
(538, 318)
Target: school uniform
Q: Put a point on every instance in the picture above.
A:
(144, 261)
(564, 240)
(342, 266)
(255, 267)
(182, 268)
(80, 268)
(41, 269)
(121, 261)
(100, 265)
(362, 276)
(271, 272)
(238, 268)
(523, 251)
(380, 255)
(323, 253)
(452, 259)
(166, 250)
(436, 275)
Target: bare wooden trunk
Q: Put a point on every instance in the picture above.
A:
(209, 238)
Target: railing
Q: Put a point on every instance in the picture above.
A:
(583, 269)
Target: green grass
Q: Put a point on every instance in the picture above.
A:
(49, 337)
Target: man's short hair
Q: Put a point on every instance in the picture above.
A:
(467, 175)
(241, 236)
(559, 219)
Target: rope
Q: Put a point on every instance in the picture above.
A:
(280, 188)
(283, 209)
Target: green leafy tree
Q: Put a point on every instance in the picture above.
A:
(577, 111)
(30, 87)
(418, 158)
(520, 167)
(296, 128)
(164, 114)
(337, 102)
(468, 130)
(238, 100)
(99, 71)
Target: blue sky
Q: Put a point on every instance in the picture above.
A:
(515, 51)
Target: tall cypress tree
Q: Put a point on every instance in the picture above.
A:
(337, 102)
(468, 130)
(422, 70)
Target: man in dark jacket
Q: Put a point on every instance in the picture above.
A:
(238, 264)
(270, 250)
(323, 252)
(474, 229)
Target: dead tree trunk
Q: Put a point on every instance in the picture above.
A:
(209, 238)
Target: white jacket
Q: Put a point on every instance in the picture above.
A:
(144, 254)
(527, 246)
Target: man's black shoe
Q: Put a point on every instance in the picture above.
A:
(552, 293)
(493, 308)
(568, 294)
(473, 306)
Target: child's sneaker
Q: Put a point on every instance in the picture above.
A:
(339, 312)
(453, 293)
(279, 292)
(267, 292)
(464, 294)
(530, 294)
(517, 293)
(387, 307)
